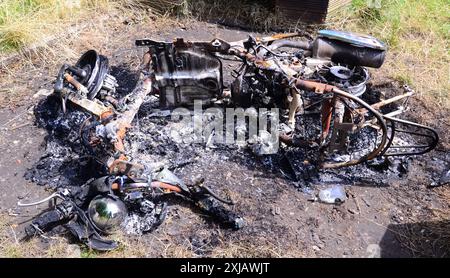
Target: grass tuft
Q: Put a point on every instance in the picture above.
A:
(27, 22)
(257, 15)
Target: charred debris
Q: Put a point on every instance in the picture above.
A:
(111, 155)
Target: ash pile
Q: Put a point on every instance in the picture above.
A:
(113, 154)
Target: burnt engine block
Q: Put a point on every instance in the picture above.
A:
(184, 72)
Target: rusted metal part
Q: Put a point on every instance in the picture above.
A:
(124, 167)
(319, 88)
(123, 121)
(120, 124)
(381, 123)
(121, 132)
(326, 117)
(112, 100)
(294, 105)
(342, 126)
(146, 61)
(106, 115)
(282, 43)
(92, 106)
(121, 166)
(270, 65)
(265, 40)
(80, 88)
(166, 186)
(328, 108)
(278, 37)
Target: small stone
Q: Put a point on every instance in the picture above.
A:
(276, 211)
(373, 251)
(352, 211)
(316, 248)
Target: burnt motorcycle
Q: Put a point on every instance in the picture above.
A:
(321, 85)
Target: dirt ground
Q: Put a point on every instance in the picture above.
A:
(399, 217)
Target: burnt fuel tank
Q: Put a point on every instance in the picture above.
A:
(349, 48)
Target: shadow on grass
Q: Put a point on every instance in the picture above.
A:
(421, 239)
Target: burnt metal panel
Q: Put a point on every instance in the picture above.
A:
(310, 11)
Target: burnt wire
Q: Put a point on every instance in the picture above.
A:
(274, 53)
(214, 195)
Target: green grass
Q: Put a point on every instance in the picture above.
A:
(396, 19)
(417, 34)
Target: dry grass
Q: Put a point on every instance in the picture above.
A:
(40, 28)
(430, 238)
(25, 23)
(232, 249)
(257, 15)
(11, 245)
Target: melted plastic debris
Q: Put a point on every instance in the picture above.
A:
(147, 218)
(333, 195)
(445, 177)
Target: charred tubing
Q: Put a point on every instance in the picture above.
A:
(139, 94)
(432, 134)
(317, 87)
(125, 119)
(381, 122)
(279, 37)
(73, 81)
(321, 88)
(294, 142)
(305, 45)
(217, 197)
(163, 185)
